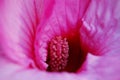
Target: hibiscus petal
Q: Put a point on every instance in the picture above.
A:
(92, 71)
(101, 28)
(11, 71)
(18, 23)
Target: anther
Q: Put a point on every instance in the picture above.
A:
(58, 54)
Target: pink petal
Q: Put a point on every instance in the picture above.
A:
(100, 29)
(15, 72)
(18, 24)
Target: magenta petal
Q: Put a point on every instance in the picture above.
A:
(18, 24)
(101, 67)
(100, 30)
(14, 72)
(94, 70)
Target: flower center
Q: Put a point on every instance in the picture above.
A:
(58, 54)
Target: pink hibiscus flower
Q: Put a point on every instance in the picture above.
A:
(59, 40)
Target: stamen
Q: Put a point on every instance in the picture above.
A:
(58, 54)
